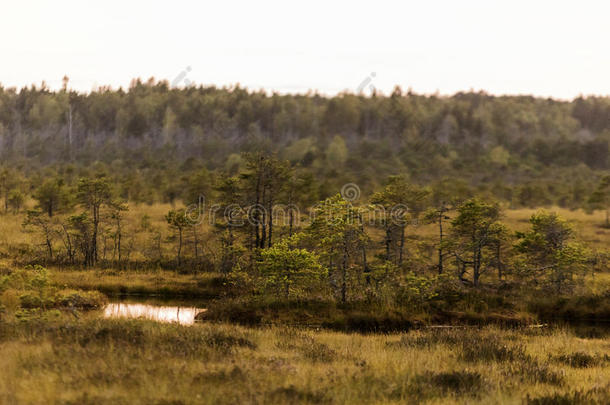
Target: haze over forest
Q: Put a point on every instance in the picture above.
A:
(152, 133)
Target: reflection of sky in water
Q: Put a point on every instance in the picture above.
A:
(181, 315)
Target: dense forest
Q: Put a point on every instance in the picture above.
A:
(154, 140)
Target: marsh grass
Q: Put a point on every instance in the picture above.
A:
(461, 382)
(114, 282)
(534, 372)
(134, 361)
(581, 360)
(473, 345)
(594, 396)
(490, 348)
(299, 341)
(293, 395)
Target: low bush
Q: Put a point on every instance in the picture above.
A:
(79, 299)
(293, 395)
(30, 289)
(171, 340)
(531, 371)
(587, 307)
(432, 337)
(458, 382)
(595, 396)
(490, 348)
(578, 360)
(473, 347)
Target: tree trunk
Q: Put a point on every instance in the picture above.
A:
(476, 267)
(344, 276)
(440, 244)
(96, 221)
(388, 241)
(402, 244)
(196, 243)
(367, 271)
(68, 245)
(270, 212)
(179, 246)
(119, 242)
(70, 132)
(49, 246)
(257, 219)
(499, 260)
(287, 280)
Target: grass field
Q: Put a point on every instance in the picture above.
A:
(144, 283)
(96, 361)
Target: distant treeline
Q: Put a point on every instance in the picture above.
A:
(525, 150)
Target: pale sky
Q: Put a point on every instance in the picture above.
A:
(545, 48)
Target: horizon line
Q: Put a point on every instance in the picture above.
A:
(288, 90)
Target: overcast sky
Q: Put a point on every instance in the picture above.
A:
(546, 48)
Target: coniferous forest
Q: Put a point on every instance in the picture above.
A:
(154, 139)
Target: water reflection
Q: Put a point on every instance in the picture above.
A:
(171, 314)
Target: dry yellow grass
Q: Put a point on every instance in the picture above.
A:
(137, 238)
(142, 362)
(587, 226)
(154, 282)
